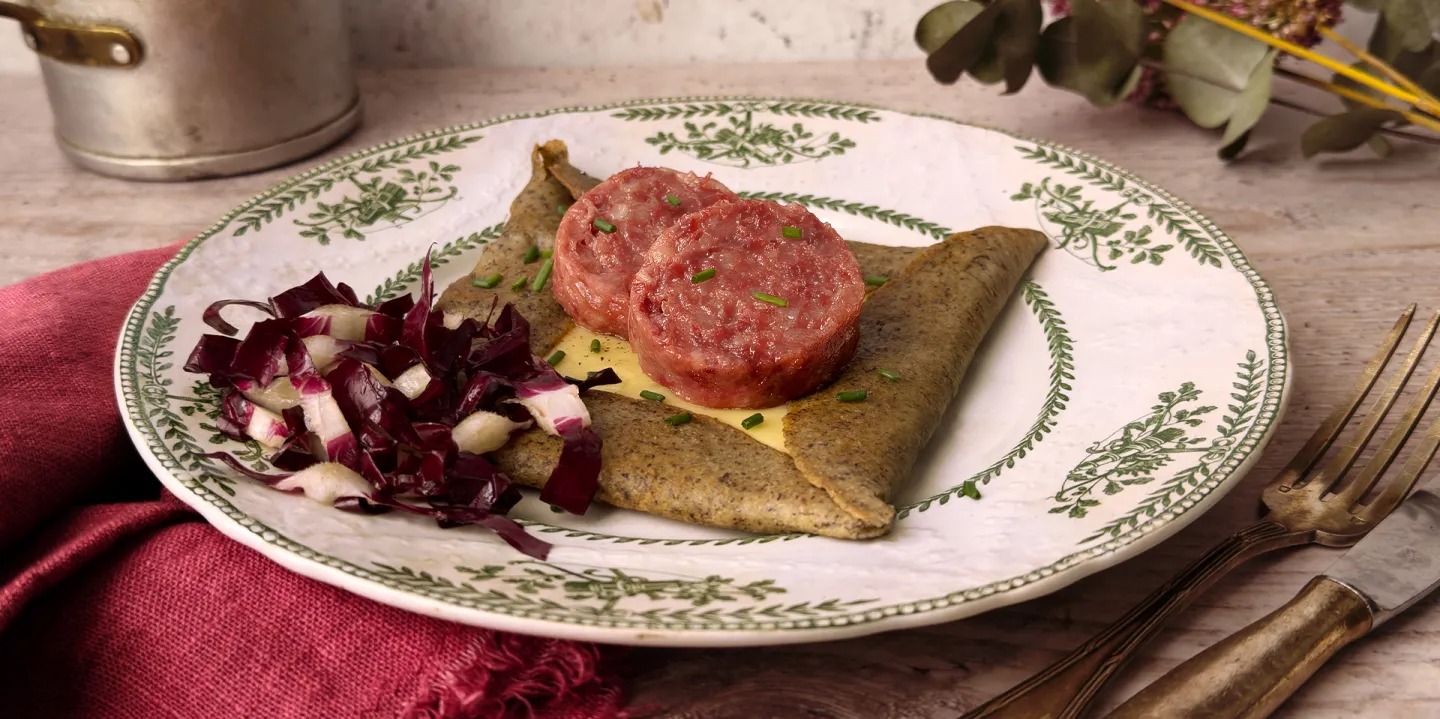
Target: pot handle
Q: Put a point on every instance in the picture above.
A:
(75, 43)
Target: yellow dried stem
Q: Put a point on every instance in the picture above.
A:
(1360, 53)
(1360, 97)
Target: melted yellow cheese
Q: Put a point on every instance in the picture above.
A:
(616, 354)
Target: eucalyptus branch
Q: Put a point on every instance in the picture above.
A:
(1422, 100)
(1422, 120)
(1398, 134)
(1282, 102)
(1217, 67)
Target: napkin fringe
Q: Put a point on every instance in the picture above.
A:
(511, 676)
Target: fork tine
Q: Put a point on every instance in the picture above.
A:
(1325, 435)
(1339, 466)
(1399, 488)
(1357, 488)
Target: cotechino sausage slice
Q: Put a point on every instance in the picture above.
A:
(603, 236)
(746, 304)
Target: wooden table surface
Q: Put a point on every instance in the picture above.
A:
(1346, 242)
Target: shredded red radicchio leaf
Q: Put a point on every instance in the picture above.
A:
(400, 446)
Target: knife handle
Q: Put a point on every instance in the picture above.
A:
(1253, 671)
(1065, 689)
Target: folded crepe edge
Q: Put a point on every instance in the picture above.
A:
(702, 472)
(556, 156)
(965, 280)
(531, 222)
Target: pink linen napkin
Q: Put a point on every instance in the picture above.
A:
(117, 601)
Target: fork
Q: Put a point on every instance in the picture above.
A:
(1303, 506)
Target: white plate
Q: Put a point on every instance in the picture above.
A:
(1130, 382)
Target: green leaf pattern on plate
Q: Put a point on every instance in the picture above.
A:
(152, 360)
(1132, 454)
(273, 206)
(380, 203)
(517, 587)
(393, 286)
(738, 141)
(1087, 230)
(688, 111)
(1092, 233)
(859, 209)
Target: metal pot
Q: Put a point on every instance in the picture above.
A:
(186, 89)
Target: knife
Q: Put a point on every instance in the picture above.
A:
(1253, 671)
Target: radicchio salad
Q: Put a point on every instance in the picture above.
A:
(394, 406)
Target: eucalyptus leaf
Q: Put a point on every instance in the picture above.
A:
(943, 21)
(1106, 27)
(958, 54)
(1411, 23)
(1422, 66)
(998, 43)
(988, 70)
(1383, 43)
(1019, 40)
(1056, 55)
(1209, 67)
(1346, 131)
(1102, 84)
(1128, 87)
(1380, 146)
(1232, 150)
(1253, 102)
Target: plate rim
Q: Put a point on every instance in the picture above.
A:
(920, 612)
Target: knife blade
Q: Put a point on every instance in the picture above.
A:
(1251, 672)
(1398, 562)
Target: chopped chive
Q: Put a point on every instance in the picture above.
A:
(701, 276)
(542, 276)
(854, 395)
(488, 283)
(673, 200)
(560, 208)
(595, 345)
(772, 299)
(532, 254)
(675, 420)
(603, 225)
(889, 374)
(547, 254)
(792, 232)
(520, 283)
(556, 358)
(876, 280)
(752, 421)
(652, 396)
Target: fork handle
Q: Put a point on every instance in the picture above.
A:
(1064, 689)
(1253, 671)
